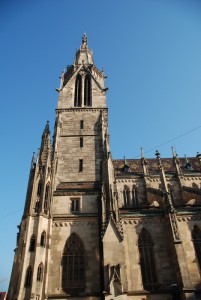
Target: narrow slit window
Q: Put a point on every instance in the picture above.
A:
(80, 165)
(32, 243)
(81, 124)
(81, 142)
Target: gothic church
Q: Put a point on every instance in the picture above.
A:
(97, 228)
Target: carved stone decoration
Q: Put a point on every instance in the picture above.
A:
(115, 285)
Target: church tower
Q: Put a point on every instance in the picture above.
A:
(94, 228)
(59, 248)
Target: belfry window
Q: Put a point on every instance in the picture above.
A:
(87, 91)
(196, 235)
(78, 91)
(32, 243)
(73, 263)
(147, 262)
(40, 272)
(28, 277)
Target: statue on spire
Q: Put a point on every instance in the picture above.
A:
(84, 42)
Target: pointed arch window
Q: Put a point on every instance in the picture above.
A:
(32, 243)
(39, 190)
(47, 192)
(196, 235)
(28, 277)
(135, 197)
(40, 272)
(87, 91)
(126, 196)
(147, 261)
(78, 91)
(43, 239)
(73, 262)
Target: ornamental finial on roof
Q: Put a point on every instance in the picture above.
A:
(142, 152)
(174, 154)
(158, 155)
(84, 41)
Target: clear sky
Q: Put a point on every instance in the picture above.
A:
(151, 53)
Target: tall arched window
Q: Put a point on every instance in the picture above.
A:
(135, 197)
(43, 239)
(47, 191)
(28, 277)
(78, 91)
(196, 235)
(73, 260)
(32, 243)
(87, 91)
(39, 190)
(126, 196)
(40, 272)
(147, 261)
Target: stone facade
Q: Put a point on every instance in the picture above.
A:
(98, 228)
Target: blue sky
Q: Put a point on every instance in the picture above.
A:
(151, 53)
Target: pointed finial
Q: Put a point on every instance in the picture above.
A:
(186, 159)
(124, 160)
(142, 152)
(33, 160)
(173, 152)
(158, 155)
(47, 129)
(84, 41)
(199, 156)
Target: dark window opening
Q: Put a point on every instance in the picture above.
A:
(28, 277)
(196, 235)
(81, 142)
(39, 188)
(78, 91)
(81, 124)
(147, 261)
(75, 205)
(40, 272)
(80, 165)
(126, 196)
(43, 239)
(135, 197)
(87, 91)
(32, 243)
(73, 263)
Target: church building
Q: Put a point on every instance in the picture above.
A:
(95, 228)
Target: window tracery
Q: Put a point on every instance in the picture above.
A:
(147, 262)
(73, 262)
